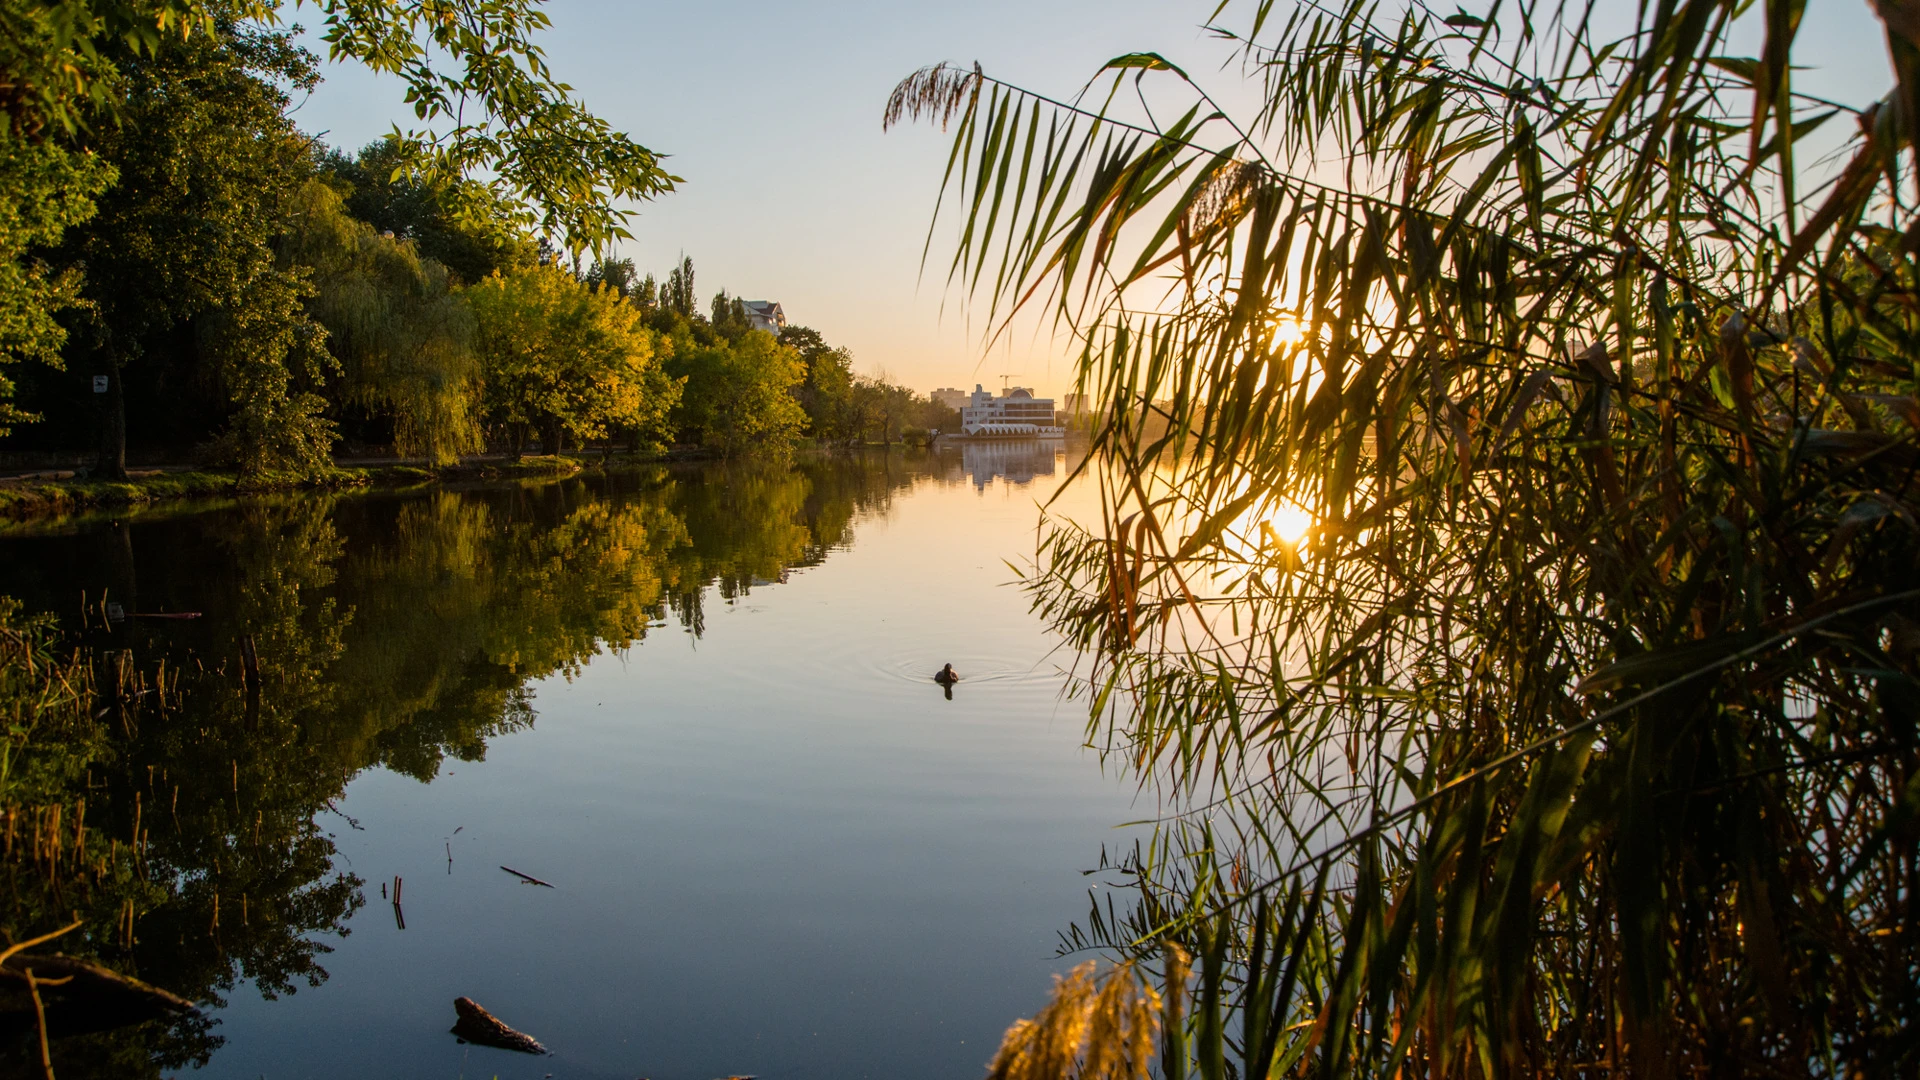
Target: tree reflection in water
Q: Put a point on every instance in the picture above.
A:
(392, 630)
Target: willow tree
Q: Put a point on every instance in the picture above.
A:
(1507, 445)
(402, 335)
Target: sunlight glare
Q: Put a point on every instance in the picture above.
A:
(1290, 523)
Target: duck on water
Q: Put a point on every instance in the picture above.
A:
(946, 677)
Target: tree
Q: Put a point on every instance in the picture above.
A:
(738, 394)
(470, 65)
(1507, 561)
(179, 267)
(459, 224)
(826, 392)
(401, 335)
(511, 144)
(729, 316)
(565, 359)
(881, 407)
(618, 275)
(51, 189)
(677, 294)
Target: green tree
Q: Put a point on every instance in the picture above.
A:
(403, 338)
(677, 294)
(729, 319)
(459, 224)
(49, 189)
(738, 395)
(618, 275)
(1507, 559)
(178, 262)
(565, 359)
(471, 67)
(826, 392)
(503, 141)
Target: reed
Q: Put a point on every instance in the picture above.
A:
(1573, 733)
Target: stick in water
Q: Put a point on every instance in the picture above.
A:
(529, 878)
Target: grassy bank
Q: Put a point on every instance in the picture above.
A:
(29, 497)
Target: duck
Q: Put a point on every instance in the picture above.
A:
(946, 676)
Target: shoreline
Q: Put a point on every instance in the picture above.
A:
(36, 496)
(28, 497)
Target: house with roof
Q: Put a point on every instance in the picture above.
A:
(765, 315)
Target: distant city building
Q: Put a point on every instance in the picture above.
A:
(952, 398)
(765, 315)
(1015, 413)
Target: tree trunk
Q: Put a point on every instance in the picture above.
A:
(518, 433)
(550, 438)
(112, 464)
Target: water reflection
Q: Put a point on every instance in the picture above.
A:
(399, 631)
(1019, 461)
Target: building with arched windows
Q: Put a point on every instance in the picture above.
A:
(1015, 414)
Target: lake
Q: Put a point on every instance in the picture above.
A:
(695, 700)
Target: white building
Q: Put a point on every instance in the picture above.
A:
(765, 315)
(1016, 413)
(952, 398)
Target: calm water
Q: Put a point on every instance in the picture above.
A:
(694, 700)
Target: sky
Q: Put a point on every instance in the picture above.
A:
(770, 111)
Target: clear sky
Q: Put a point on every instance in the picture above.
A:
(771, 112)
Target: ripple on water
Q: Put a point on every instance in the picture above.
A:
(972, 669)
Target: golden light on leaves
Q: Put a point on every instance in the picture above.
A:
(1094, 1028)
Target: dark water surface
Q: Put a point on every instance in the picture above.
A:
(695, 700)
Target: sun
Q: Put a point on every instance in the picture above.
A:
(1287, 330)
(1290, 523)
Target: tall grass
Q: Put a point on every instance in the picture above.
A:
(1576, 736)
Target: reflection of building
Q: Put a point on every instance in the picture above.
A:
(952, 398)
(1015, 413)
(765, 315)
(1019, 460)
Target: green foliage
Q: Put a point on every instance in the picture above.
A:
(620, 276)
(504, 115)
(677, 294)
(1571, 732)
(843, 407)
(478, 83)
(458, 225)
(403, 337)
(826, 393)
(881, 408)
(179, 264)
(266, 351)
(49, 189)
(729, 318)
(182, 102)
(566, 359)
(738, 394)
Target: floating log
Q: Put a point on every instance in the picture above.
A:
(480, 1027)
(80, 996)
